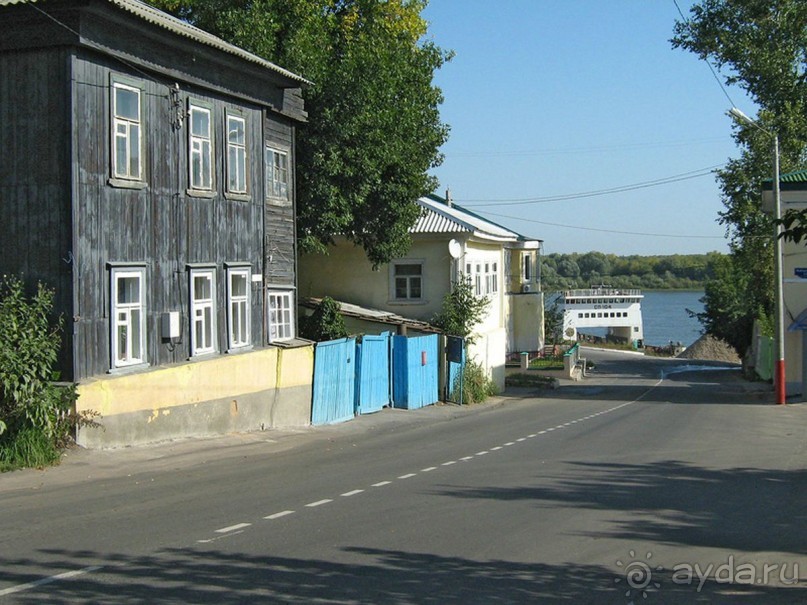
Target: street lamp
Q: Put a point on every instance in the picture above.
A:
(779, 368)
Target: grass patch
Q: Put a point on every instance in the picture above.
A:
(547, 363)
(528, 379)
(27, 448)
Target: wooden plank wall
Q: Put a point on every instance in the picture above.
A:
(35, 241)
(160, 225)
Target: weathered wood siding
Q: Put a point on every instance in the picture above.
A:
(62, 220)
(160, 225)
(35, 218)
(281, 253)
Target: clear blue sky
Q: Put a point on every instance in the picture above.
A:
(549, 98)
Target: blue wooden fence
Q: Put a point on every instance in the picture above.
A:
(415, 369)
(373, 376)
(334, 381)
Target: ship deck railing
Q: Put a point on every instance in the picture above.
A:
(597, 292)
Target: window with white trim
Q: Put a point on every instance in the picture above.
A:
(127, 129)
(128, 316)
(203, 311)
(236, 154)
(280, 307)
(200, 147)
(483, 276)
(527, 271)
(277, 173)
(238, 307)
(407, 279)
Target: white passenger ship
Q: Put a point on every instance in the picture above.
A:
(617, 309)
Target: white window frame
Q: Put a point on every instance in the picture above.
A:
(494, 277)
(203, 313)
(236, 156)
(239, 309)
(278, 181)
(280, 320)
(121, 316)
(526, 267)
(409, 281)
(200, 145)
(130, 131)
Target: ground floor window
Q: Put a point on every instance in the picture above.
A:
(203, 311)
(238, 307)
(128, 316)
(280, 309)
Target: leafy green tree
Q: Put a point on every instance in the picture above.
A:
(461, 311)
(373, 130)
(594, 263)
(762, 45)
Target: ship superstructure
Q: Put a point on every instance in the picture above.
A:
(619, 310)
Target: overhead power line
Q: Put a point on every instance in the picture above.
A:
(586, 194)
(488, 153)
(578, 227)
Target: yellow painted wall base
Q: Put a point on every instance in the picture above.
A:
(269, 388)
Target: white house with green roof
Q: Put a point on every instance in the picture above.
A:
(447, 240)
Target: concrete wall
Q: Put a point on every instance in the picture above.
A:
(269, 388)
(489, 350)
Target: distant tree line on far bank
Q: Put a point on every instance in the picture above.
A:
(672, 272)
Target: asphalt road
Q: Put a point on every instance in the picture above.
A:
(626, 487)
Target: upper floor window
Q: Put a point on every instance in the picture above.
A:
(281, 315)
(407, 280)
(236, 154)
(483, 277)
(200, 148)
(127, 315)
(527, 260)
(238, 307)
(127, 128)
(203, 311)
(277, 173)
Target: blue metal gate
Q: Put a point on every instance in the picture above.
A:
(415, 369)
(334, 381)
(373, 383)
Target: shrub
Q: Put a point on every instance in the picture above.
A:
(476, 386)
(35, 413)
(325, 323)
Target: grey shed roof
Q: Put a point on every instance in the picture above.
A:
(179, 27)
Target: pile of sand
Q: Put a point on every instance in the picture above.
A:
(711, 349)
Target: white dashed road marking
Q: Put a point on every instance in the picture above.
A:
(318, 503)
(226, 530)
(282, 513)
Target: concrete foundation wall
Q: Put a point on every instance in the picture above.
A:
(270, 388)
(489, 350)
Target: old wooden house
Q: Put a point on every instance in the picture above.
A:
(147, 175)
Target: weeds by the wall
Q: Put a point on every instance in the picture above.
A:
(36, 414)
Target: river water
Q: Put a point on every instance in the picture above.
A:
(665, 317)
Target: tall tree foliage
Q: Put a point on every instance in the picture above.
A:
(762, 46)
(374, 128)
